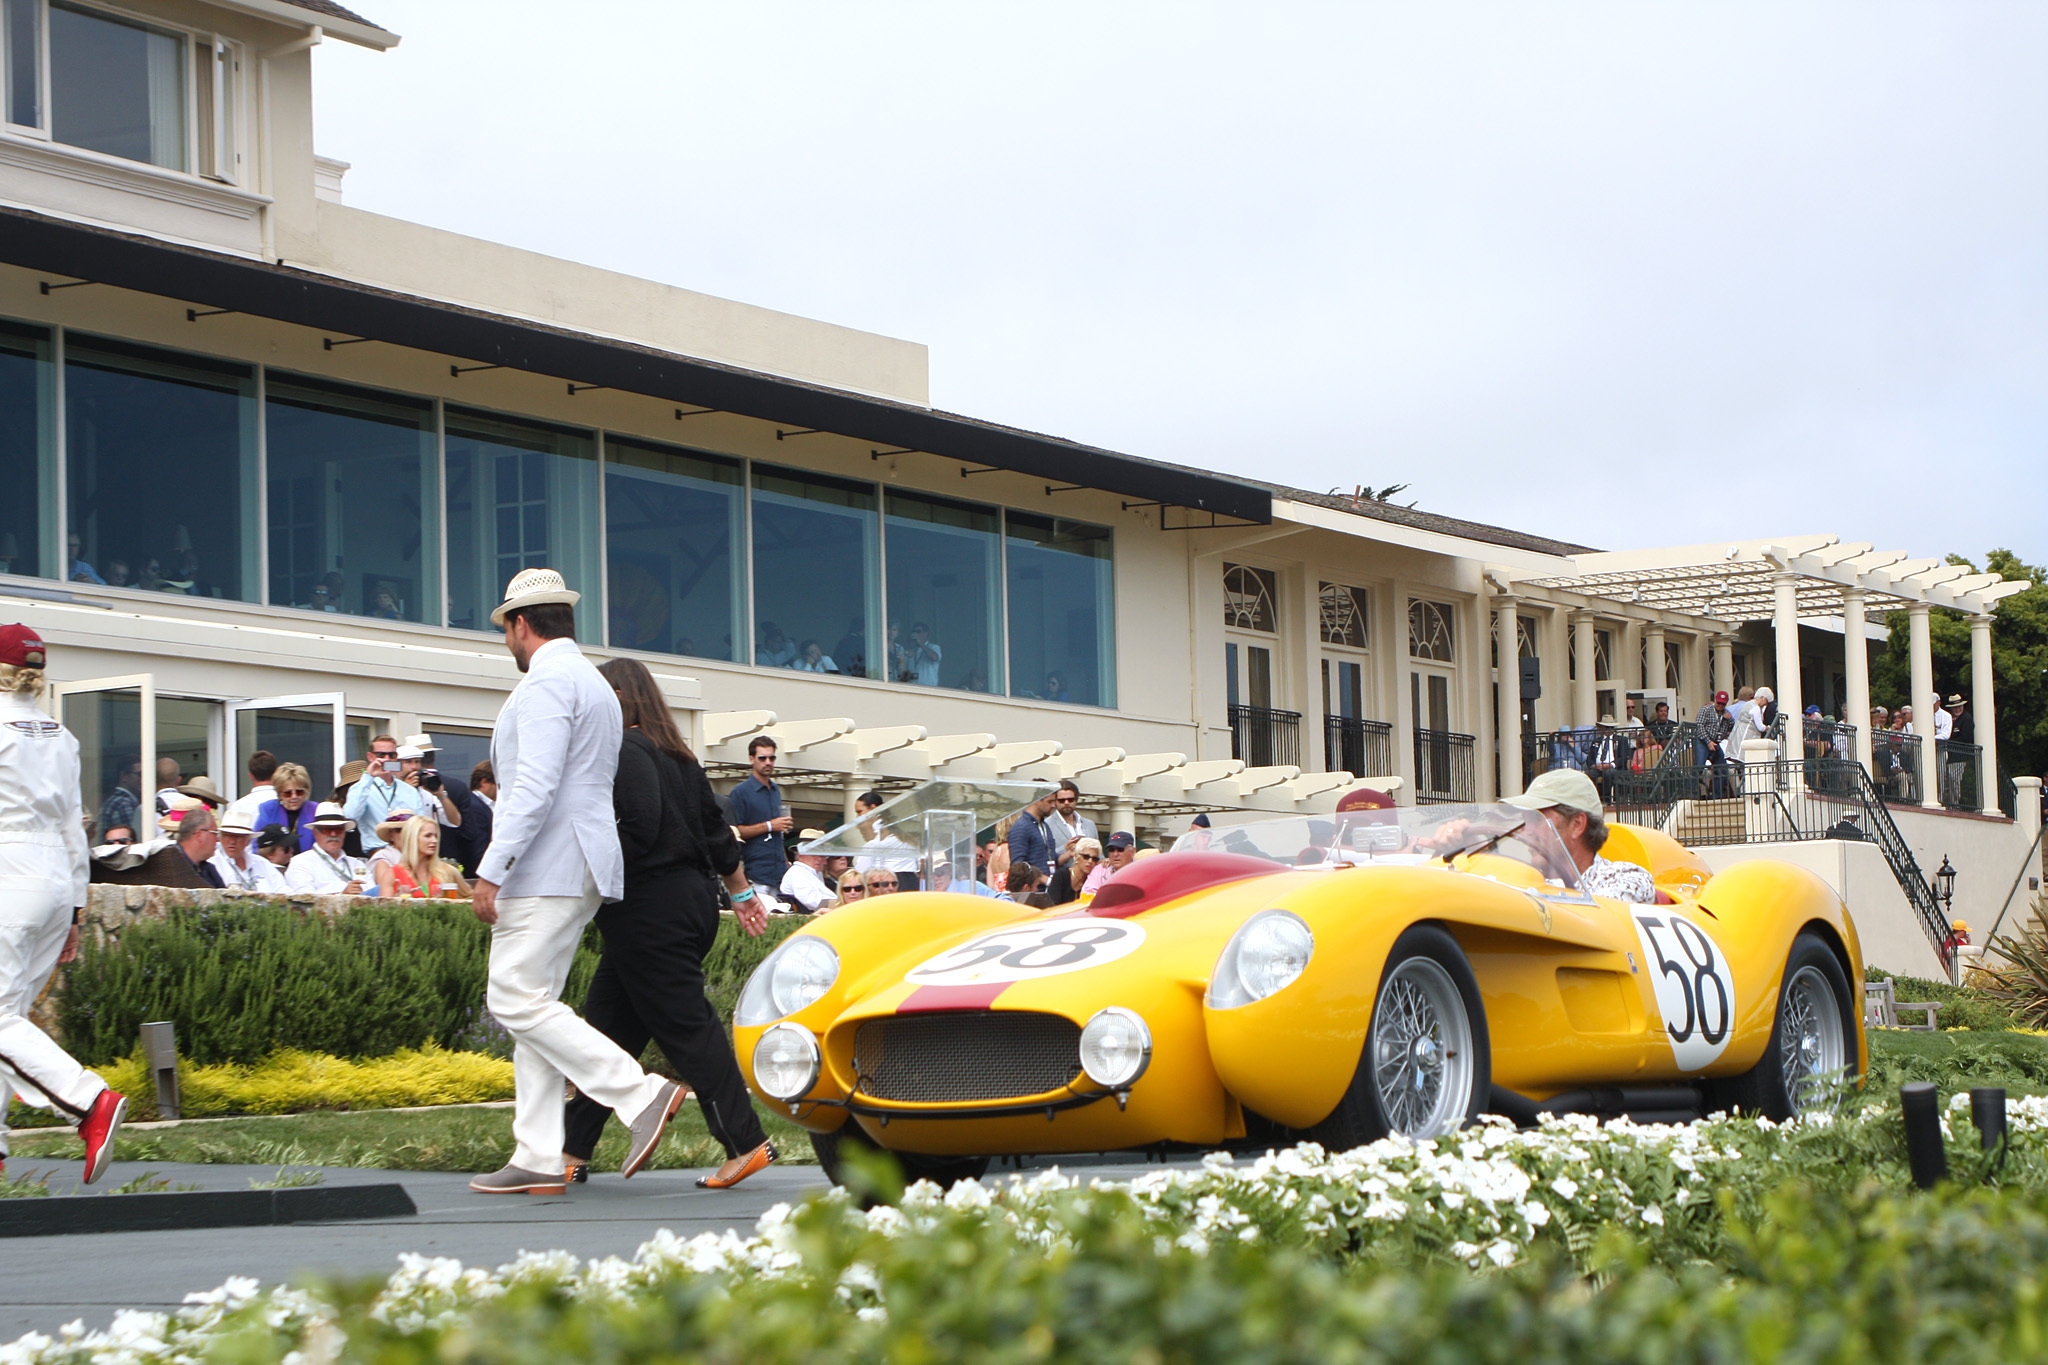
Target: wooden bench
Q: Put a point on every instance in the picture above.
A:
(1881, 1007)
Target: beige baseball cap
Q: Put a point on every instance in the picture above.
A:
(1566, 787)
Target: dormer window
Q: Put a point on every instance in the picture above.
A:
(85, 76)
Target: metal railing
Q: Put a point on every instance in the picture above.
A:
(1263, 737)
(1959, 773)
(1443, 767)
(1363, 748)
(1895, 765)
(1787, 801)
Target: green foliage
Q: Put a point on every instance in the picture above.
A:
(288, 1179)
(27, 1185)
(2019, 662)
(1965, 1007)
(2018, 1062)
(242, 980)
(2017, 977)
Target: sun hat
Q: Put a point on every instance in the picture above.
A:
(533, 588)
(387, 830)
(406, 751)
(236, 824)
(1608, 720)
(205, 790)
(330, 813)
(423, 742)
(175, 807)
(352, 771)
(1566, 787)
(1956, 699)
(21, 647)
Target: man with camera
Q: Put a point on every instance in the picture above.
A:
(447, 797)
(383, 790)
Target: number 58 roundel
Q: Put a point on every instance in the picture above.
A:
(1695, 990)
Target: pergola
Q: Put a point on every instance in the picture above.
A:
(1783, 581)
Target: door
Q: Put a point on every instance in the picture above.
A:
(114, 721)
(1430, 695)
(1248, 688)
(309, 730)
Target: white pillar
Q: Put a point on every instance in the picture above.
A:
(1724, 668)
(1507, 710)
(1655, 674)
(1983, 706)
(1920, 651)
(1585, 697)
(1123, 815)
(1856, 657)
(850, 789)
(1785, 625)
(2026, 803)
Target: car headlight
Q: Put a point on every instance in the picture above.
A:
(793, 976)
(1116, 1047)
(786, 1061)
(1263, 958)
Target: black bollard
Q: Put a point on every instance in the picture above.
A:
(1987, 1111)
(1921, 1106)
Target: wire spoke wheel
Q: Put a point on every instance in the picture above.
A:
(1811, 1052)
(1421, 1050)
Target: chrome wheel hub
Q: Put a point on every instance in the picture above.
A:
(1421, 1048)
(1812, 1052)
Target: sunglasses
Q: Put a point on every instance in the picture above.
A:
(853, 889)
(881, 886)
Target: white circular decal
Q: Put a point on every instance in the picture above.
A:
(1695, 990)
(1028, 951)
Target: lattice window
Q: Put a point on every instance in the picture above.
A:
(1674, 665)
(1603, 654)
(1344, 615)
(1248, 599)
(1429, 630)
(1525, 637)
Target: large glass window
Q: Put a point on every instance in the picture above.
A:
(816, 559)
(352, 516)
(117, 87)
(945, 568)
(29, 508)
(675, 522)
(1062, 610)
(520, 496)
(162, 455)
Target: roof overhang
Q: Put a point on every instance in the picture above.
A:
(308, 299)
(1738, 582)
(332, 25)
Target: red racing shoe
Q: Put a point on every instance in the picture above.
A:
(101, 1123)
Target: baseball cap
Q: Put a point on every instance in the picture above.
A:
(21, 647)
(1566, 787)
(1813, 710)
(1120, 839)
(1721, 697)
(275, 836)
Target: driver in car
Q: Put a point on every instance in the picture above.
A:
(1569, 801)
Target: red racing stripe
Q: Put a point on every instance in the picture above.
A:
(926, 999)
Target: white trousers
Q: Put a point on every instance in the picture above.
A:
(532, 947)
(35, 919)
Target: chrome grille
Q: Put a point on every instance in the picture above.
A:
(957, 1056)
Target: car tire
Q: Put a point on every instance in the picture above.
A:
(1812, 1035)
(944, 1171)
(1425, 1068)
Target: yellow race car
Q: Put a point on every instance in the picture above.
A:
(1335, 979)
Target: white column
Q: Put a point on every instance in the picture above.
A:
(1724, 668)
(1856, 655)
(1920, 652)
(1123, 815)
(850, 789)
(1585, 697)
(1785, 625)
(1654, 672)
(1983, 706)
(1507, 711)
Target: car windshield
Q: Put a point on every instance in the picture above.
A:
(929, 829)
(1405, 835)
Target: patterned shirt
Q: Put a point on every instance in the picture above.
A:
(1619, 881)
(1712, 723)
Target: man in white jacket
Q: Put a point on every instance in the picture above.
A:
(42, 891)
(554, 858)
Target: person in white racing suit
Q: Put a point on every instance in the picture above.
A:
(42, 892)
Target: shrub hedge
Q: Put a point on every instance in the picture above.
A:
(243, 980)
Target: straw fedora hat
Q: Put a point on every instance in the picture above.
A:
(532, 588)
(204, 789)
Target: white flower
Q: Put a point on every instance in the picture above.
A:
(1566, 1187)
(1654, 1215)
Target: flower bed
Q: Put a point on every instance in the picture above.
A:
(1803, 1232)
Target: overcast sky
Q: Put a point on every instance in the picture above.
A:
(1624, 274)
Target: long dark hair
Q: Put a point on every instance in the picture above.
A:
(642, 702)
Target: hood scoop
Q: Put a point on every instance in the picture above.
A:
(1155, 881)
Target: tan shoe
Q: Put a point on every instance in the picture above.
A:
(519, 1180)
(652, 1123)
(739, 1168)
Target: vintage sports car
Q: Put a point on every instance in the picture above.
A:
(1338, 979)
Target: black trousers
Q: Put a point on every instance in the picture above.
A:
(650, 985)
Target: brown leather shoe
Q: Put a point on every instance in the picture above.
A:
(739, 1168)
(652, 1123)
(518, 1180)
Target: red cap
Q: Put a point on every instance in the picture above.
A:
(1721, 696)
(21, 647)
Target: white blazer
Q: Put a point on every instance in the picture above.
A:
(556, 752)
(42, 829)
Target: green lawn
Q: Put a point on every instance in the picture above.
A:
(453, 1139)
(1958, 1060)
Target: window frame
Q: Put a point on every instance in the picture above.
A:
(209, 101)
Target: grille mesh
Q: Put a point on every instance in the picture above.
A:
(952, 1057)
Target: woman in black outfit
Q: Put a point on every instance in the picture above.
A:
(650, 980)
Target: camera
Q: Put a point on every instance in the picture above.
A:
(430, 780)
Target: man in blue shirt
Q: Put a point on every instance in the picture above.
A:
(1030, 840)
(755, 806)
(379, 792)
